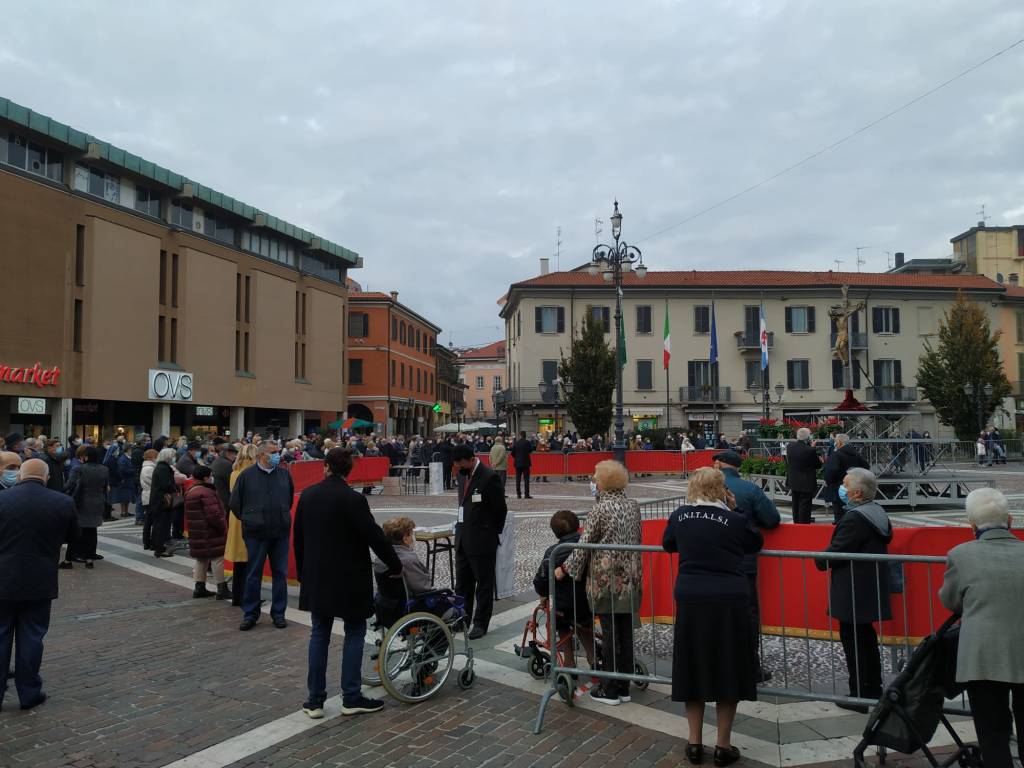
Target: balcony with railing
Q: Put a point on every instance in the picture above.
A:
(704, 394)
(857, 340)
(895, 393)
(544, 394)
(753, 340)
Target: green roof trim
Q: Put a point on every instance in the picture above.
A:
(122, 158)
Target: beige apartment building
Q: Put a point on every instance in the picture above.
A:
(900, 311)
(996, 252)
(482, 371)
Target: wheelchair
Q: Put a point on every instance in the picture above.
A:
(414, 652)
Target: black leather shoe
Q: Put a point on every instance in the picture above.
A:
(476, 633)
(280, 623)
(246, 625)
(695, 753)
(726, 756)
(35, 702)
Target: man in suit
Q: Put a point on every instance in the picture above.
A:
(761, 512)
(222, 466)
(843, 458)
(34, 522)
(481, 518)
(334, 533)
(521, 450)
(983, 583)
(802, 465)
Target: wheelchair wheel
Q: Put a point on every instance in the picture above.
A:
(416, 657)
(393, 660)
(566, 689)
(639, 668)
(540, 665)
(466, 678)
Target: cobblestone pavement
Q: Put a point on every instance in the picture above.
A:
(140, 674)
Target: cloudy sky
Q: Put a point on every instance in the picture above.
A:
(446, 141)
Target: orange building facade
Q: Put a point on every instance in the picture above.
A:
(391, 371)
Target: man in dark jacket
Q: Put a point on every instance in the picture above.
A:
(187, 462)
(34, 522)
(843, 458)
(481, 518)
(752, 502)
(859, 591)
(521, 450)
(55, 465)
(262, 500)
(221, 468)
(334, 531)
(802, 465)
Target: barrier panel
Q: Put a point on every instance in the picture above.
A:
(807, 666)
(366, 470)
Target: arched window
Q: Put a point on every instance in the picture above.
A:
(401, 332)
(394, 329)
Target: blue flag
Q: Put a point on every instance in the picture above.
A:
(714, 337)
(763, 334)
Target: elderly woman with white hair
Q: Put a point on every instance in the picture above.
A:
(984, 583)
(163, 490)
(859, 591)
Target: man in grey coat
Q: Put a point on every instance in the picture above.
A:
(859, 591)
(984, 583)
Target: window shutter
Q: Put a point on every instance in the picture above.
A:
(690, 374)
(561, 320)
(537, 321)
(877, 371)
(606, 319)
(789, 370)
(789, 319)
(810, 319)
(897, 373)
(895, 319)
(856, 374)
(837, 374)
(876, 322)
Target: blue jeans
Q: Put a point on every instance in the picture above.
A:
(259, 550)
(24, 621)
(351, 658)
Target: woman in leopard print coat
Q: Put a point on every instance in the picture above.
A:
(612, 577)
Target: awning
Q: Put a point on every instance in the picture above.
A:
(349, 423)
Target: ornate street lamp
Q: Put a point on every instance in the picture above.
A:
(764, 397)
(969, 390)
(611, 259)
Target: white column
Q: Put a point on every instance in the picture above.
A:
(296, 423)
(237, 425)
(161, 419)
(60, 418)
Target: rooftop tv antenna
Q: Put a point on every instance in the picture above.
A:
(859, 259)
(558, 249)
(597, 230)
(888, 259)
(838, 261)
(982, 218)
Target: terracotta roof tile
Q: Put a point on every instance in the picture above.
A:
(759, 277)
(496, 349)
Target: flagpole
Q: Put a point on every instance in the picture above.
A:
(668, 362)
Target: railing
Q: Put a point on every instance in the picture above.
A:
(547, 395)
(892, 394)
(658, 509)
(797, 646)
(753, 340)
(857, 340)
(704, 394)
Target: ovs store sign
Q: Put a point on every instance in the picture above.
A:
(170, 385)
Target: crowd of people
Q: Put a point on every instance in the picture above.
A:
(236, 499)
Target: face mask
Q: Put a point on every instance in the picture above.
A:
(593, 488)
(9, 478)
(464, 471)
(275, 459)
(843, 495)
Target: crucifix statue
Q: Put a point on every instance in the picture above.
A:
(841, 314)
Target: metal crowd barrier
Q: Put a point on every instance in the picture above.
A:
(803, 659)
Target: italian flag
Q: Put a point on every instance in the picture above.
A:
(667, 340)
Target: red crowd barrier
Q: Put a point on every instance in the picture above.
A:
(366, 470)
(557, 464)
(794, 593)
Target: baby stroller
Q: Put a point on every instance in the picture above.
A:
(537, 648)
(908, 714)
(415, 649)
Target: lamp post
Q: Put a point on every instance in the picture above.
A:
(611, 259)
(764, 398)
(986, 390)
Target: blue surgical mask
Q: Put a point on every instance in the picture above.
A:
(9, 478)
(275, 459)
(843, 495)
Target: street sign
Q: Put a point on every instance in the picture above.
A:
(34, 406)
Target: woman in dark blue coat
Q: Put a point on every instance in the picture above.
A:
(714, 656)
